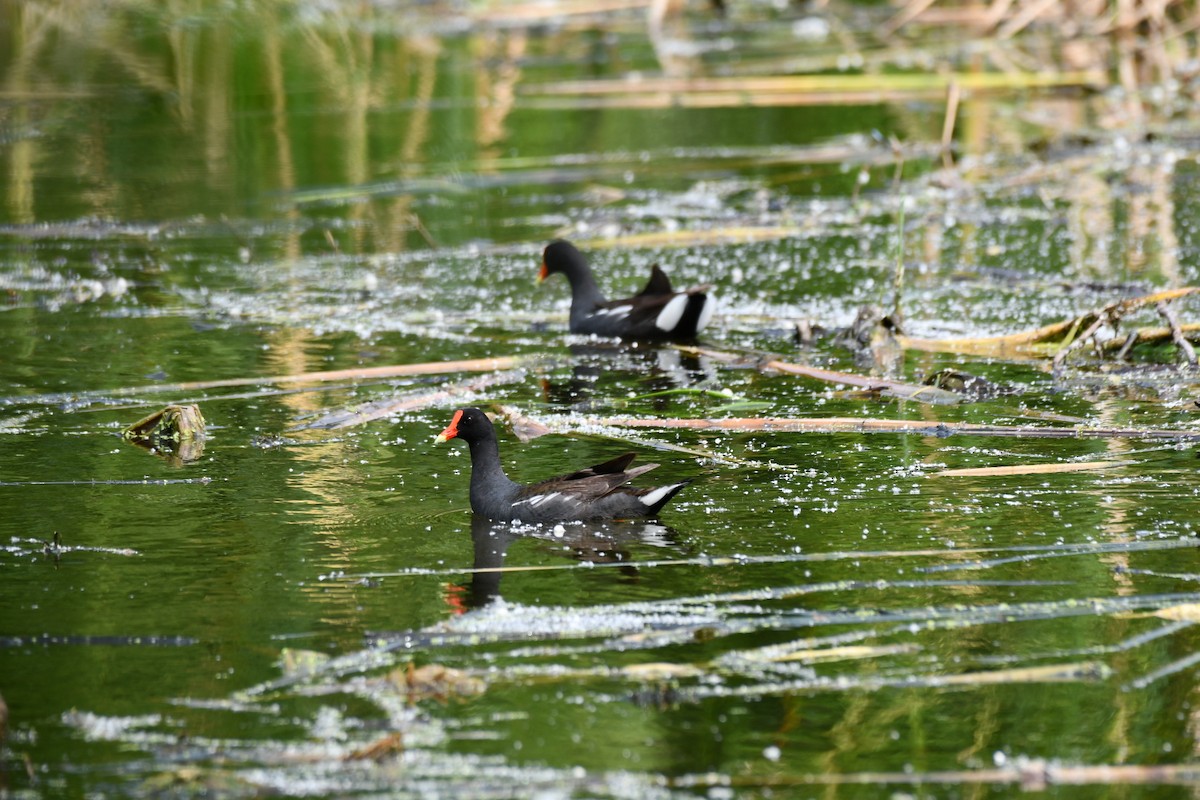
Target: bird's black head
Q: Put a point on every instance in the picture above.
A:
(468, 424)
(560, 256)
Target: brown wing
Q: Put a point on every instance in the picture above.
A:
(586, 485)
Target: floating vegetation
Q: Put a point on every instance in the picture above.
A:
(178, 430)
(55, 549)
(1060, 339)
(452, 392)
(868, 425)
(883, 386)
(972, 387)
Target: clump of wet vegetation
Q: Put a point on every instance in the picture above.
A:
(175, 430)
(941, 431)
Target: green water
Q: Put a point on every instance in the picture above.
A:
(192, 196)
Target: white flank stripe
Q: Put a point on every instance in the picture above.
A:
(710, 305)
(619, 311)
(650, 498)
(669, 317)
(538, 499)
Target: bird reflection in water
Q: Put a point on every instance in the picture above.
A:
(605, 542)
(660, 369)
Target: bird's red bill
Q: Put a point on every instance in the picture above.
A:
(545, 271)
(451, 429)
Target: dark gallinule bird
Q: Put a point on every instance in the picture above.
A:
(597, 492)
(658, 312)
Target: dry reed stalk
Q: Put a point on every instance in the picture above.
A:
(952, 97)
(337, 420)
(1185, 347)
(1028, 469)
(898, 389)
(353, 374)
(1030, 774)
(910, 11)
(1074, 341)
(868, 425)
(900, 84)
(536, 13)
(689, 238)
(1025, 17)
(1148, 336)
(1139, 40)
(1055, 338)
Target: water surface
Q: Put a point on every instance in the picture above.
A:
(191, 197)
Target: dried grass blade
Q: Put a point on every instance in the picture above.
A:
(899, 389)
(847, 653)
(1189, 612)
(1142, 336)
(1029, 774)
(1029, 469)
(1050, 673)
(1185, 543)
(1177, 335)
(953, 95)
(346, 418)
(660, 671)
(688, 238)
(1053, 339)
(1026, 343)
(1101, 319)
(745, 89)
(906, 14)
(527, 428)
(1024, 17)
(860, 425)
(539, 13)
(1163, 672)
(203, 481)
(354, 374)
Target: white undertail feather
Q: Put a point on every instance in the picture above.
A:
(710, 305)
(672, 312)
(650, 499)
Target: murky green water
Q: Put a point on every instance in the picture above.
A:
(190, 197)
